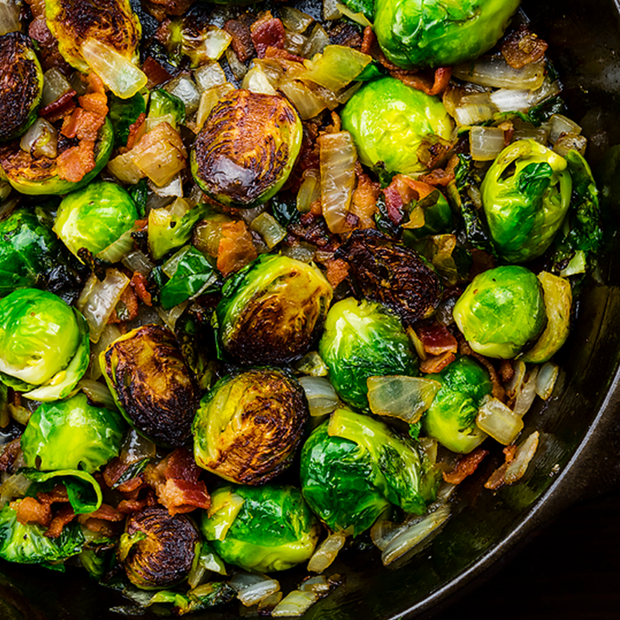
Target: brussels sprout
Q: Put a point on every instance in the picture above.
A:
(44, 346)
(21, 85)
(272, 311)
(151, 384)
(435, 33)
(354, 467)
(526, 194)
(266, 528)
(247, 148)
(501, 311)
(157, 550)
(389, 120)
(361, 340)
(95, 217)
(72, 434)
(73, 22)
(451, 418)
(163, 104)
(123, 114)
(249, 425)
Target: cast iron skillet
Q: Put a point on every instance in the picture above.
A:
(579, 431)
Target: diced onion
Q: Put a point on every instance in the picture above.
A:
(384, 531)
(173, 189)
(322, 398)
(336, 67)
(110, 333)
(486, 143)
(309, 190)
(527, 394)
(498, 421)
(548, 89)
(514, 385)
(358, 18)
(214, 43)
(19, 413)
(300, 250)
(316, 42)
(116, 251)
(430, 446)
(311, 364)
(305, 101)
(331, 10)
(209, 75)
(55, 85)
(326, 552)
(318, 584)
(256, 81)
(524, 454)
(559, 124)
(13, 487)
(539, 134)
(472, 114)
(547, 377)
(269, 229)
(253, 587)
(294, 19)
(294, 42)
(184, 88)
(124, 168)
(97, 393)
(208, 99)
(270, 601)
(138, 261)
(509, 100)
(9, 16)
(170, 317)
(570, 142)
(495, 72)
(160, 154)
(41, 140)
(236, 66)
(295, 604)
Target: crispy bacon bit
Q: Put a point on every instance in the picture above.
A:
(267, 31)
(498, 476)
(130, 307)
(437, 363)
(76, 162)
(277, 52)
(113, 472)
(30, 510)
(337, 271)
(61, 518)
(99, 521)
(236, 249)
(56, 495)
(466, 466)
(431, 85)
(155, 73)
(506, 371)
(139, 284)
(11, 454)
(160, 8)
(436, 339)
(241, 39)
(521, 47)
(398, 194)
(60, 108)
(364, 202)
(438, 177)
(95, 102)
(136, 131)
(371, 47)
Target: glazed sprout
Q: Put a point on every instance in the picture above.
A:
(361, 340)
(167, 107)
(389, 120)
(501, 311)
(246, 149)
(44, 346)
(151, 384)
(95, 217)
(353, 468)
(21, 85)
(157, 550)
(249, 425)
(415, 34)
(526, 194)
(266, 528)
(451, 418)
(72, 434)
(272, 311)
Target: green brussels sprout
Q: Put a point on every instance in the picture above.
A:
(95, 217)
(501, 311)
(21, 85)
(157, 550)
(162, 103)
(74, 22)
(353, 468)
(435, 33)
(272, 311)
(266, 528)
(388, 122)
(248, 426)
(72, 434)
(151, 384)
(526, 194)
(451, 418)
(44, 346)
(247, 148)
(361, 340)
(123, 114)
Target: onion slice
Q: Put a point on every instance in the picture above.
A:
(498, 421)
(253, 587)
(547, 377)
(322, 398)
(524, 454)
(326, 553)
(295, 604)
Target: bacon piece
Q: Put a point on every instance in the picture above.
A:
(311, 228)
(438, 177)
(436, 339)
(364, 201)
(113, 472)
(241, 39)
(139, 283)
(76, 162)
(436, 85)
(57, 495)
(506, 371)
(104, 512)
(371, 47)
(136, 130)
(30, 510)
(10, 455)
(277, 52)
(466, 466)
(60, 108)
(95, 102)
(337, 271)
(236, 249)
(398, 194)
(498, 476)
(521, 47)
(64, 516)
(266, 32)
(437, 363)
(155, 73)
(130, 300)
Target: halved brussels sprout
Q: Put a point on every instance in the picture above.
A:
(272, 311)
(435, 33)
(501, 311)
(361, 340)
(95, 217)
(451, 418)
(247, 148)
(151, 384)
(526, 194)
(157, 550)
(265, 528)
(249, 425)
(72, 434)
(389, 120)
(44, 346)
(21, 85)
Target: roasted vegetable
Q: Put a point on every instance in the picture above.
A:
(152, 384)
(266, 528)
(167, 107)
(246, 149)
(249, 425)
(272, 311)
(21, 85)
(361, 340)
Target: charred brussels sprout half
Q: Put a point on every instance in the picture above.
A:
(247, 148)
(44, 346)
(361, 340)
(451, 418)
(95, 217)
(265, 528)
(152, 384)
(157, 550)
(436, 33)
(249, 425)
(501, 311)
(388, 122)
(392, 274)
(526, 194)
(21, 85)
(272, 311)
(72, 434)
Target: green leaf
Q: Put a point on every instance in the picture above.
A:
(123, 114)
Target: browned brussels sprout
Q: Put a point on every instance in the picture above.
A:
(21, 85)
(249, 425)
(392, 274)
(152, 384)
(157, 550)
(247, 148)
